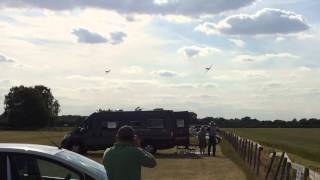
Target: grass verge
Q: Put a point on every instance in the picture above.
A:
(229, 152)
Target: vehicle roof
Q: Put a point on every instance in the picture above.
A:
(15, 147)
(165, 113)
(50, 152)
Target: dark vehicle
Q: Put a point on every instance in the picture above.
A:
(158, 129)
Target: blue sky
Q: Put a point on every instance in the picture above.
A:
(264, 55)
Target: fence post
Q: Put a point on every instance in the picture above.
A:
(306, 174)
(242, 148)
(278, 168)
(251, 154)
(271, 163)
(283, 169)
(259, 159)
(255, 156)
(248, 151)
(245, 150)
(288, 171)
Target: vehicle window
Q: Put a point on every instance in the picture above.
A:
(137, 123)
(24, 167)
(180, 123)
(109, 124)
(155, 123)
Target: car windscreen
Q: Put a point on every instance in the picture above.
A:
(82, 161)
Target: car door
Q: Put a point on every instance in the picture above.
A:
(109, 130)
(181, 131)
(32, 167)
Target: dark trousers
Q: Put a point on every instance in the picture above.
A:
(212, 142)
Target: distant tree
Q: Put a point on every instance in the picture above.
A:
(30, 107)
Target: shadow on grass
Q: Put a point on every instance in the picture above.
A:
(177, 156)
(160, 155)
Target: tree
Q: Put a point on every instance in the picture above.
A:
(30, 107)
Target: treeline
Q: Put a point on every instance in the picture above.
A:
(69, 120)
(248, 122)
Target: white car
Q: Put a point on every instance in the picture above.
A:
(39, 162)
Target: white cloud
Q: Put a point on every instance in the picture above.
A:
(4, 59)
(166, 73)
(5, 83)
(182, 85)
(178, 19)
(133, 70)
(164, 7)
(78, 77)
(117, 37)
(265, 21)
(86, 36)
(238, 42)
(279, 39)
(209, 85)
(197, 51)
(264, 57)
(207, 28)
(130, 18)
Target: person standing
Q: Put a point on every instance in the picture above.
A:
(202, 140)
(212, 138)
(124, 160)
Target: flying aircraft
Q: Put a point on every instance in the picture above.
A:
(208, 68)
(108, 71)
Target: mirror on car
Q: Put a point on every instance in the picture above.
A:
(82, 130)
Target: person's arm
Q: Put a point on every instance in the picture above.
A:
(146, 159)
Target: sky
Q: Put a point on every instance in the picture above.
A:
(264, 55)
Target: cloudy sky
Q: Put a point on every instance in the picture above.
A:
(265, 55)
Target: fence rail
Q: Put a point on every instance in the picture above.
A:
(276, 166)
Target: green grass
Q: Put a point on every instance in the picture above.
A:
(303, 145)
(229, 152)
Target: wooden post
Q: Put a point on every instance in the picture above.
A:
(251, 154)
(237, 143)
(306, 174)
(242, 147)
(279, 165)
(248, 151)
(283, 169)
(270, 165)
(288, 171)
(245, 150)
(259, 159)
(255, 156)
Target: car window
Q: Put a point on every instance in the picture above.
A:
(137, 123)
(155, 123)
(82, 161)
(180, 123)
(25, 167)
(109, 124)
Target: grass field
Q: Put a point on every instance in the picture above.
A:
(303, 145)
(170, 166)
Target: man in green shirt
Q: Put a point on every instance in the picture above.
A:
(123, 161)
